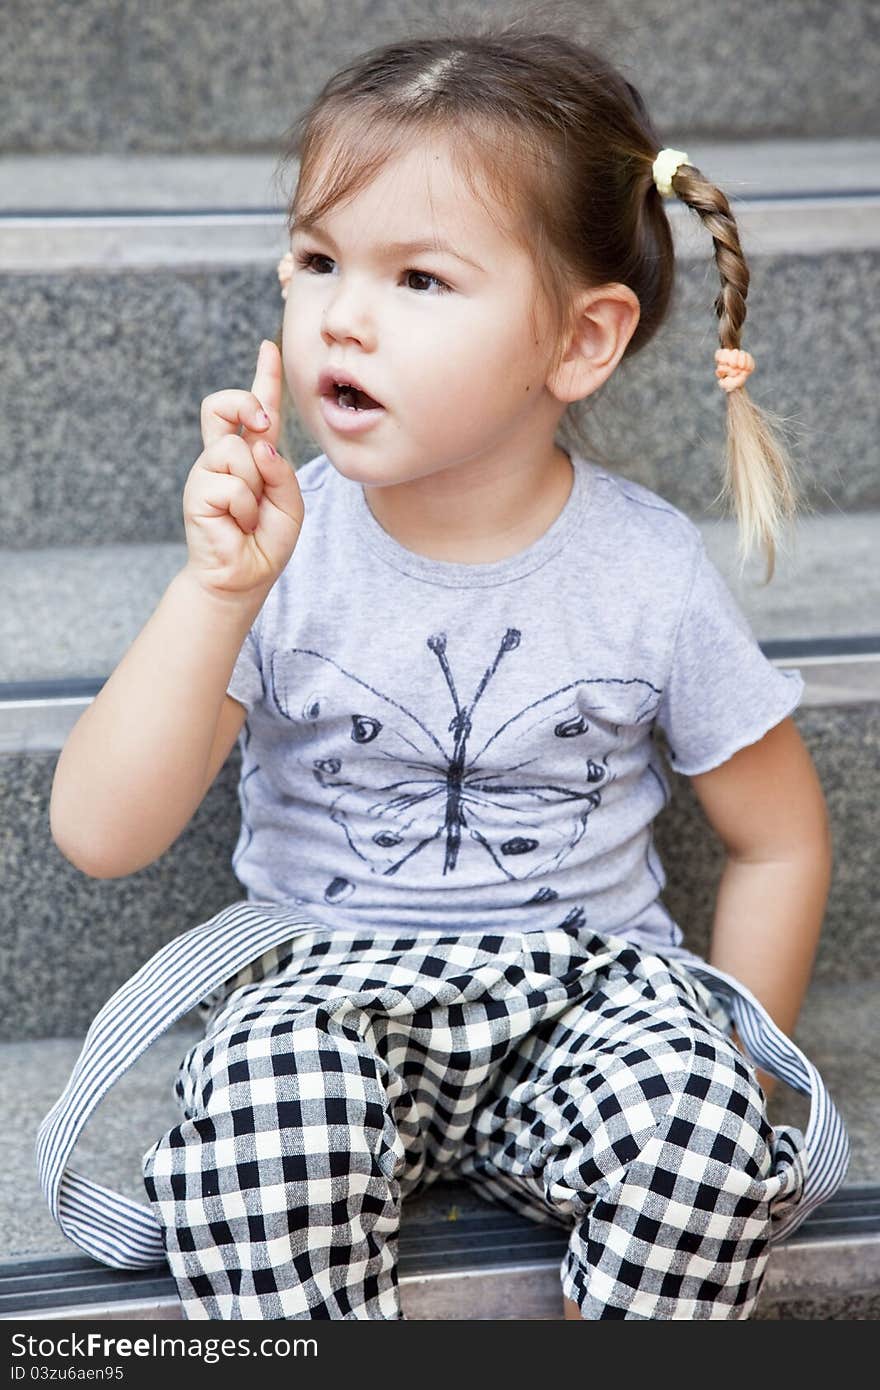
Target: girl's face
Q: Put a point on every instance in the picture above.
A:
(441, 338)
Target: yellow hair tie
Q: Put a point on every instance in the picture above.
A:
(665, 166)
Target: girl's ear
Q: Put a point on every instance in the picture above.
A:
(607, 318)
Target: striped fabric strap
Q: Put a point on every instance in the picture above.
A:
(126, 1235)
(108, 1226)
(826, 1141)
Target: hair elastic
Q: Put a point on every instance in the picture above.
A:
(734, 367)
(665, 167)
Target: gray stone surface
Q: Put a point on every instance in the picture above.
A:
(73, 611)
(68, 941)
(101, 380)
(826, 581)
(100, 388)
(110, 183)
(132, 1116)
(836, 1033)
(853, 1308)
(102, 74)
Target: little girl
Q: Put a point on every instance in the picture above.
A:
(445, 645)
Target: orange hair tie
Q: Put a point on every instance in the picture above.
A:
(734, 367)
(285, 271)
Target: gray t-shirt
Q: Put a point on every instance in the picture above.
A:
(435, 746)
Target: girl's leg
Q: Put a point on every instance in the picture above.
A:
(277, 1194)
(635, 1118)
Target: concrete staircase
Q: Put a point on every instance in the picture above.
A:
(139, 230)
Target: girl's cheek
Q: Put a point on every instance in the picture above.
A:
(294, 362)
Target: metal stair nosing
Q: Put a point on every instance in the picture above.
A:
(187, 239)
(499, 1263)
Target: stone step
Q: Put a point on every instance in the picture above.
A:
(155, 192)
(132, 289)
(71, 612)
(458, 1253)
(155, 78)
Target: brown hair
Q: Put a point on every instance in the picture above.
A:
(548, 129)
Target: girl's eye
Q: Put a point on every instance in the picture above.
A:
(306, 258)
(442, 287)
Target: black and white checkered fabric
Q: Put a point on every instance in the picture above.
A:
(573, 1078)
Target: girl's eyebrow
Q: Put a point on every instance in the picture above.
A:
(391, 249)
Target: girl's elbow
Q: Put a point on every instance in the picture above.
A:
(84, 852)
(81, 859)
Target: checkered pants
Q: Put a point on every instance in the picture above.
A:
(573, 1078)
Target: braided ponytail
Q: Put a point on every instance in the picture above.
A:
(759, 477)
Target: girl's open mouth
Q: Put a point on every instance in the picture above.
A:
(351, 398)
(349, 410)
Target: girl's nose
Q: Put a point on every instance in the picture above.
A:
(348, 315)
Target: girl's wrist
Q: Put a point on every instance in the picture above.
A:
(238, 607)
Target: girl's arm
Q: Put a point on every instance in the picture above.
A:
(766, 805)
(140, 758)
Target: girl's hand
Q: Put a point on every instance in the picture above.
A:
(242, 507)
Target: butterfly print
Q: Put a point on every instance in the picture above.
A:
(396, 788)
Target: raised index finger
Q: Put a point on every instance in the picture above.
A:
(267, 381)
(239, 411)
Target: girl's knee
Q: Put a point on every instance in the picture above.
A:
(681, 1229)
(687, 1116)
(720, 1114)
(293, 1109)
(309, 1069)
